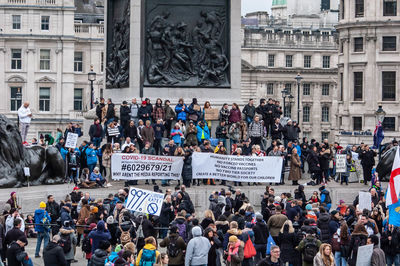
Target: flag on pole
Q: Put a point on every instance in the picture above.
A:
(394, 214)
(378, 135)
(393, 191)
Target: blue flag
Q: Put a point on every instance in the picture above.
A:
(394, 214)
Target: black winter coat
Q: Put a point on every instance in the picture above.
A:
(125, 113)
(356, 241)
(166, 215)
(261, 233)
(131, 132)
(98, 257)
(313, 162)
(367, 158)
(53, 255)
(12, 252)
(391, 247)
(187, 168)
(287, 242)
(110, 111)
(323, 225)
(13, 235)
(277, 131)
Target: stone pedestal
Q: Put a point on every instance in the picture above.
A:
(216, 95)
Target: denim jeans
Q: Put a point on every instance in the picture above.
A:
(41, 236)
(340, 261)
(261, 252)
(390, 260)
(96, 142)
(91, 167)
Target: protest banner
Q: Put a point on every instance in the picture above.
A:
(364, 255)
(364, 200)
(144, 201)
(113, 131)
(235, 168)
(211, 114)
(130, 166)
(340, 163)
(71, 141)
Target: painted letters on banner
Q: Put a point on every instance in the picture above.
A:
(340, 163)
(131, 166)
(71, 141)
(144, 201)
(235, 168)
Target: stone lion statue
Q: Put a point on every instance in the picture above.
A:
(45, 164)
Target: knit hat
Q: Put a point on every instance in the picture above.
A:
(334, 212)
(12, 193)
(259, 217)
(233, 239)
(94, 209)
(144, 103)
(42, 204)
(118, 248)
(277, 199)
(308, 207)
(91, 226)
(76, 188)
(341, 201)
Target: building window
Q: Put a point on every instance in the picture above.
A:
(78, 99)
(288, 88)
(306, 113)
(325, 114)
(359, 8)
(16, 22)
(342, 9)
(389, 7)
(325, 89)
(341, 86)
(16, 59)
(102, 62)
(44, 99)
(389, 43)
(288, 110)
(326, 61)
(341, 46)
(270, 88)
(44, 59)
(358, 86)
(45, 23)
(289, 60)
(325, 4)
(357, 123)
(306, 89)
(78, 61)
(271, 60)
(389, 124)
(307, 61)
(324, 135)
(358, 44)
(389, 86)
(15, 104)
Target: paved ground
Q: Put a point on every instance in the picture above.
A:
(29, 198)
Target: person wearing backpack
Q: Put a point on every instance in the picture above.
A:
(67, 241)
(149, 255)
(100, 254)
(53, 254)
(175, 247)
(261, 235)
(42, 221)
(309, 248)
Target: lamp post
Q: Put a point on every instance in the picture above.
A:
(380, 115)
(291, 100)
(91, 78)
(284, 94)
(18, 97)
(298, 78)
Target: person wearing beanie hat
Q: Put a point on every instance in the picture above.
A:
(144, 113)
(68, 240)
(261, 235)
(310, 213)
(13, 200)
(235, 253)
(41, 219)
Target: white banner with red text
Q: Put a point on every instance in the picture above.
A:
(237, 168)
(129, 166)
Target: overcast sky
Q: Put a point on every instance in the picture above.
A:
(256, 5)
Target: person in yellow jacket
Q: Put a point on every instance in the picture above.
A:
(149, 255)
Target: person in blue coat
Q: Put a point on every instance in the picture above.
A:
(181, 110)
(99, 234)
(95, 176)
(203, 133)
(42, 218)
(91, 157)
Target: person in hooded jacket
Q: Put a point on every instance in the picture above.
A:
(233, 231)
(323, 225)
(187, 174)
(100, 254)
(149, 247)
(181, 110)
(197, 249)
(65, 232)
(101, 233)
(179, 243)
(261, 235)
(40, 217)
(53, 254)
(358, 238)
(125, 114)
(213, 254)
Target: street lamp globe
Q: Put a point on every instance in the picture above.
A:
(291, 98)
(298, 78)
(91, 74)
(380, 114)
(284, 93)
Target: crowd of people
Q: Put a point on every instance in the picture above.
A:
(160, 129)
(287, 229)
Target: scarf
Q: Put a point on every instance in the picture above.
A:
(233, 250)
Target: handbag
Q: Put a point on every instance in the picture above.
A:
(249, 250)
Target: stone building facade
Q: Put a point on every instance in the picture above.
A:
(46, 49)
(369, 68)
